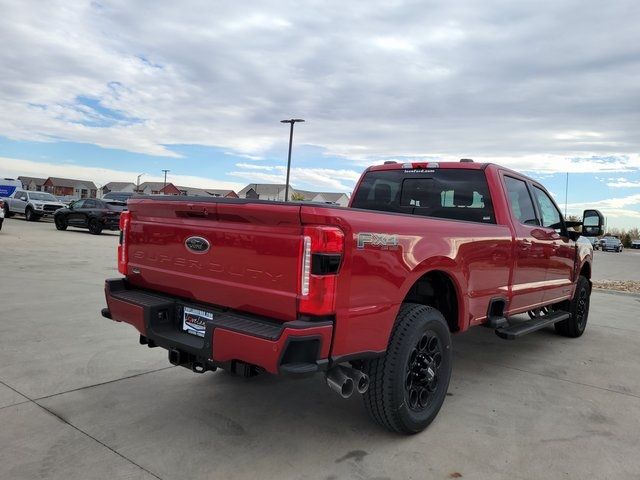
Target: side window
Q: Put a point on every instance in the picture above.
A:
(19, 193)
(551, 217)
(89, 204)
(78, 204)
(520, 201)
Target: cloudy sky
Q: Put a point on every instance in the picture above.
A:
(106, 90)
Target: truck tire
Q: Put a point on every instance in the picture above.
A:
(7, 213)
(94, 227)
(408, 384)
(578, 307)
(29, 216)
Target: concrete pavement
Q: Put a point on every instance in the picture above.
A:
(80, 399)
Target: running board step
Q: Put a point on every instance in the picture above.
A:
(496, 322)
(511, 332)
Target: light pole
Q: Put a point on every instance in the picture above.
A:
(286, 186)
(138, 183)
(165, 179)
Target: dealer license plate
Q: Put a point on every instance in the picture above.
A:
(194, 321)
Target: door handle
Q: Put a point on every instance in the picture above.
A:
(525, 244)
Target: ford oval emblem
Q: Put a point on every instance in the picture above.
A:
(197, 244)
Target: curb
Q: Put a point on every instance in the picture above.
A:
(616, 292)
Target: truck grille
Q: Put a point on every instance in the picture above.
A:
(51, 208)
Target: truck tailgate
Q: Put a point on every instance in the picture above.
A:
(240, 255)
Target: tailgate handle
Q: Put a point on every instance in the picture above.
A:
(193, 212)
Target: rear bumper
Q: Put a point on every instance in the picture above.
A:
(289, 347)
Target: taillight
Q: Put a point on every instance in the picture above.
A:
(123, 254)
(322, 249)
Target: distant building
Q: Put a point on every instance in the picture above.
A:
(158, 188)
(119, 187)
(265, 191)
(68, 187)
(206, 192)
(33, 183)
(222, 193)
(325, 197)
(275, 191)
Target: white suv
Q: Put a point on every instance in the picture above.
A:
(33, 205)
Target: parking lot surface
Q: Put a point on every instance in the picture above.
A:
(80, 399)
(614, 266)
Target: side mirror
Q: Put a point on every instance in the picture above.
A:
(24, 199)
(592, 223)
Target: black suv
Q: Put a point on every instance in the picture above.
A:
(91, 213)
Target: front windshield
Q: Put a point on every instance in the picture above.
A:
(42, 196)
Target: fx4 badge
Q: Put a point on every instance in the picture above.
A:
(383, 240)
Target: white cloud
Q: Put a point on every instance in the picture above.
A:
(252, 166)
(333, 179)
(620, 211)
(374, 80)
(14, 167)
(623, 183)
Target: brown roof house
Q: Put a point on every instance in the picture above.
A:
(265, 191)
(275, 191)
(118, 187)
(206, 192)
(68, 187)
(32, 183)
(157, 188)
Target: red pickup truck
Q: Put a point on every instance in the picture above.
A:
(367, 294)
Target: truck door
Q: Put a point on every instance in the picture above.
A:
(562, 254)
(530, 251)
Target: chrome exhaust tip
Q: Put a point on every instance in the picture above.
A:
(361, 380)
(340, 382)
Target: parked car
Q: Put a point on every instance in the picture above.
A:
(119, 196)
(368, 294)
(595, 243)
(91, 213)
(611, 244)
(33, 205)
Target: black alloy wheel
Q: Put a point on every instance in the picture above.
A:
(578, 307)
(422, 371)
(95, 228)
(408, 384)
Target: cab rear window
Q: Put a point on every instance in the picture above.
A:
(455, 194)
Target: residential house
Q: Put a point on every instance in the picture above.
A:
(222, 193)
(118, 187)
(270, 191)
(158, 188)
(265, 191)
(68, 187)
(339, 198)
(32, 183)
